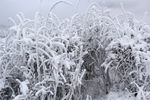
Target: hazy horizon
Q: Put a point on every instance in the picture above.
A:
(9, 8)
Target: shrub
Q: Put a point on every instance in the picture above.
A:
(53, 59)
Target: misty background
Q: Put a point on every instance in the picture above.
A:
(9, 8)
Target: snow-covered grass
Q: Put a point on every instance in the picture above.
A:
(52, 59)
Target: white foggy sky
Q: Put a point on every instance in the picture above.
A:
(9, 8)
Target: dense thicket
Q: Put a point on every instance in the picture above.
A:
(84, 57)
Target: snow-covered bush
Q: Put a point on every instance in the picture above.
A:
(42, 57)
(84, 57)
(99, 30)
(128, 58)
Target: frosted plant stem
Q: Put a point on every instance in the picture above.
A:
(37, 58)
(55, 91)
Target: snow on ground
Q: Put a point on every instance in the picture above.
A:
(120, 96)
(117, 96)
